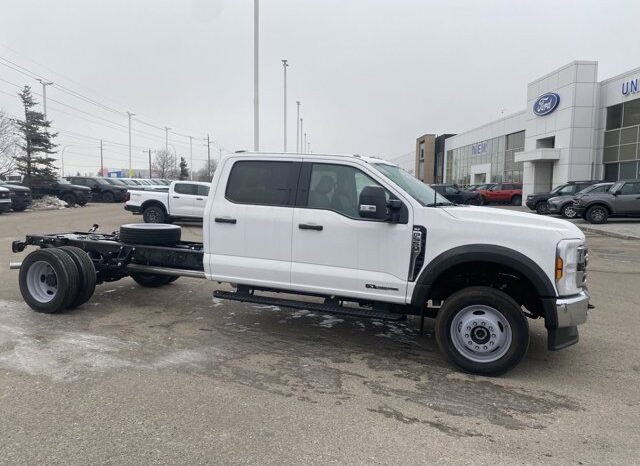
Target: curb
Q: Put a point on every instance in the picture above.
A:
(611, 234)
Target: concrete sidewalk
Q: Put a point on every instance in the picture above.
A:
(623, 228)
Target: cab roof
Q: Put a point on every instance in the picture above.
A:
(367, 159)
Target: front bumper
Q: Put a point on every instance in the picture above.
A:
(5, 206)
(134, 209)
(562, 317)
(530, 203)
(554, 208)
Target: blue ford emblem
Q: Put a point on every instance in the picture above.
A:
(546, 104)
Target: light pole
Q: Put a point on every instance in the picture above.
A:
(256, 106)
(298, 128)
(149, 152)
(191, 158)
(166, 137)
(44, 95)
(208, 156)
(284, 69)
(305, 143)
(101, 160)
(301, 130)
(130, 169)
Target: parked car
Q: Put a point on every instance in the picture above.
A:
(72, 194)
(622, 200)
(563, 204)
(337, 230)
(100, 189)
(20, 196)
(453, 193)
(538, 201)
(475, 187)
(184, 199)
(5, 200)
(506, 193)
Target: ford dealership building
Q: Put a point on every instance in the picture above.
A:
(573, 128)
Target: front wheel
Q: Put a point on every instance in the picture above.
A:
(150, 280)
(474, 201)
(597, 214)
(108, 196)
(516, 200)
(70, 199)
(154, 214)
(542, 208)
(482, 331)
(568, 211)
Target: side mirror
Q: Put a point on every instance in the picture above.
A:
(616, 192)
(373, 203)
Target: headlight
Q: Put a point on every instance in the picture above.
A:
(571, 266)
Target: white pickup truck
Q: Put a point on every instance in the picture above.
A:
(353, 236)
(185, 199)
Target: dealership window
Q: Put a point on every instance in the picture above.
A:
(614, 116)
(628, 171)
(621, 141)
(631, 114)
(611, 172)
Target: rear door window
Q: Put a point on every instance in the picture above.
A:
(203, 190)
(263, 183)
(186, 188)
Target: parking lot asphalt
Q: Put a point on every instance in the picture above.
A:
(172, 376)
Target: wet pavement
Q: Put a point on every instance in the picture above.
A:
(173, 375)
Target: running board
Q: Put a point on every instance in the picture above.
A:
(318, 307)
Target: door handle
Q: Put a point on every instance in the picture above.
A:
(199, 199)
(176, 197)
(233, 221)
(310, 226)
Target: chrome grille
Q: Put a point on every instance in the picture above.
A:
(581, 269)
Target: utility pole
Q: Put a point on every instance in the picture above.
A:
(256, 106)
(208, 156)
(191, 158)
(309, 147)
(166, 137)
(301, 132)
(101, 160)
(305, 143)
(298, 128)
(284, 68)
(150, 172)
(130, 169)
(44, 95)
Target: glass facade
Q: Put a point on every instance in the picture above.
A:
(499, 152)
(621, 153)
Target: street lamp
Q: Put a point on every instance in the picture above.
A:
(284, 69)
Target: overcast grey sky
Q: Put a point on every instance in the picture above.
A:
(372, 75)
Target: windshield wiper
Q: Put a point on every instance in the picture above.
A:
(439, 204)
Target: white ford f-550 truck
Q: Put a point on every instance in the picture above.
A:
(350, 235)
(184, 200)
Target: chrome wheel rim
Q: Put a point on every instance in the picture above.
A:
(42, 282)
(569, 212)
(481, 334)
(597, 215)
(153, 216)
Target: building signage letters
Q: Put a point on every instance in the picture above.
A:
(630, 87)
(479, 148)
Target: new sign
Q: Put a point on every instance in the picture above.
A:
(630, 87)
(479, 148)
(546, 103)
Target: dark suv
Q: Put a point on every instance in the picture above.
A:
(20, 196)
(101, 189)
(454, 194)
(563, 203)
(538, 201)
(622, 200)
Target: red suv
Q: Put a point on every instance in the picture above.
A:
(508, 193)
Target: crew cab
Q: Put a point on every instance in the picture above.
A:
(505, 193)
(539, 201)
(184, 199)
(101, 189)
(348, 235)
(71, 194)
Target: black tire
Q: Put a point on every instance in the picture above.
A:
(20, 209)
(474, 201)
(150, 234)
(108, 196)
(487, 305)
(70, 199)
(86, 273)
(59, 271)
(483, 200)
(154, 214)
(542, 208)
(568, 211)
(516, 200)
(150, 280)
(597, 214)
(82, 203)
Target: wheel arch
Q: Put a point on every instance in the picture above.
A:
(153, 203)
(493, 257)
(599, 203)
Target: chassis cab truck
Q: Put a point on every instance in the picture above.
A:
(353, 236)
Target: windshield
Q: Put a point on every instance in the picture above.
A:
(422, 193)
(100, 181)
(596, 188)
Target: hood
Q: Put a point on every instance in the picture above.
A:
(15, 187)
(563, 198)
(542, 194)
(77, 187)
(490, 216)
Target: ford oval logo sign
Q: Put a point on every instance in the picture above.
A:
(546, 104)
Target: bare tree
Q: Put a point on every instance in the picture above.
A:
(164, 164)
(9, 147)
(204, 174)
